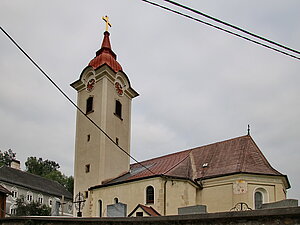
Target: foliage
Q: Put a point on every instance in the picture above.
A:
(40, 167)
(49, 170)
(31, 209)
(6, 157)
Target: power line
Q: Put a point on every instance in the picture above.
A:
(70, 100)
(222, 29)
(232, 26)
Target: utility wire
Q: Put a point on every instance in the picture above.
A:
(222, 29)
(70, 100)
(232, 26)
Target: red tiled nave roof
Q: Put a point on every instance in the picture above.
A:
(237, 155)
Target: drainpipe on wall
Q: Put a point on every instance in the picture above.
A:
(165, 196)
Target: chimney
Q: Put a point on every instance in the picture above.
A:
(15, 164)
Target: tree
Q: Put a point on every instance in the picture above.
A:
(40, 167)
(31, 209)
(69, 184)
(49, 170)
(6, 157)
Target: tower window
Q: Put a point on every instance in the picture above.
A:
(117, 141)
(88, 137)
(118, 109)
(116, 200)
(149, 195)
(89, 105)
(87, 168)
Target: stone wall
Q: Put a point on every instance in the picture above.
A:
(288, 216)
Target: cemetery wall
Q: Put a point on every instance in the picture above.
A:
(288, 216)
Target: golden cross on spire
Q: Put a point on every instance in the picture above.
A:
(107, 23)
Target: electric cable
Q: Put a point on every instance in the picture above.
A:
(70, 100)
(222, 29)
(232, 26)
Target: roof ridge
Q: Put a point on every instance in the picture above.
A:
(242, 156)
(188, 154)
(263, 157)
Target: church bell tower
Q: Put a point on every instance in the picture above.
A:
(104, 94)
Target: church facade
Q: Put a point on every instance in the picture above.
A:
(218, 175)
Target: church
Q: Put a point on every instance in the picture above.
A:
(217, 176)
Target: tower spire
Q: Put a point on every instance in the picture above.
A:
(105, 54)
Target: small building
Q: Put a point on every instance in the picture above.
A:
(143, 210)
(3, 194)
(33, 188)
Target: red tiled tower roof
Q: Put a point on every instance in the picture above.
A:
(105, 55)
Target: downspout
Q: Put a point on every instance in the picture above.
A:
(165, 197)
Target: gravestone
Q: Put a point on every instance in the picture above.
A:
(55, 207)
(196, 209)
(117, 210)
(281, 204)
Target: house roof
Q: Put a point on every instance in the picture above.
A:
(4, 190)
(237, 155)
(32, 182)
(147, 209)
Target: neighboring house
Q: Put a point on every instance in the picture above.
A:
(32, 188)
(3, 195)
(218, 175)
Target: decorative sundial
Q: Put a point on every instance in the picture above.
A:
(79, 203)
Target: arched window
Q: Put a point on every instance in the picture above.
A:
(29, 196)
(13, 209)
(100, 207)
(89, 105)
(258, 198)
(14, 193)
(116, 200)
(149, 195)
(40, 199)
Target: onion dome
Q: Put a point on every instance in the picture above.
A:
(105, 55)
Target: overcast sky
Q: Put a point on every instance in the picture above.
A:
(197, 85)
